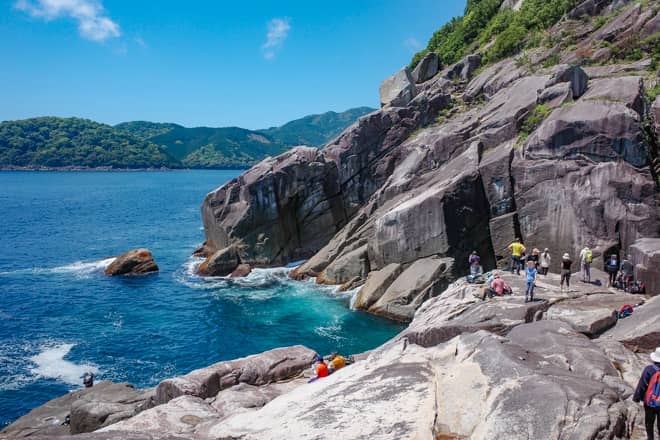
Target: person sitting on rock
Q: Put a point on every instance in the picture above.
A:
(517, 250)
(531, 279)
(566, 263)
(497, 287)
(476, 273)
(337, 362)
(320, 369)
(649, 379)
(544, 261)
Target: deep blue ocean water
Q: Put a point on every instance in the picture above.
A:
(60, 316)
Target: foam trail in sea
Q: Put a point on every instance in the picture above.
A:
(80, 269)
(50, 364)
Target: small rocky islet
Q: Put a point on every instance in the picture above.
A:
(393, 207)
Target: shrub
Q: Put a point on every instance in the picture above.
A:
(510, 41)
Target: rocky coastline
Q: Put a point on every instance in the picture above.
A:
(461, 158)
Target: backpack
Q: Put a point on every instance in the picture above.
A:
(652, 398)
(588, 256)
(625, 311)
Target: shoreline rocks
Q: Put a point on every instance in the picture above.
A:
(135, 262)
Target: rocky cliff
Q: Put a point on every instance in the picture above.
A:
(460, 159)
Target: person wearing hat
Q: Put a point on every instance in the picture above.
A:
(566, 271)
(652, 415)
(544, 261)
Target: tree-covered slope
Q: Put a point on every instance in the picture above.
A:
(60, 142)
(74, 142)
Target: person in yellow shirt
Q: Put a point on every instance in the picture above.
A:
(517, 249)
(337, 362)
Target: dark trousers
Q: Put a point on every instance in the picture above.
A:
(566, 276)
(612, 278)
(515, 264)
(651, 416)
(544, 271)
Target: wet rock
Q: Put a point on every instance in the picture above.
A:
(242, 270)
(270, 366)
(397, 90)
(377, 283)
(591, 315)
(426, 68)
(135, 262)
(89, 409)
(346, 267)
(220, 264)
(424, 279)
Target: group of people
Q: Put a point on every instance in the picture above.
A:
(324, 367)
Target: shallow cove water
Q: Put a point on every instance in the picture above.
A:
(60, 316)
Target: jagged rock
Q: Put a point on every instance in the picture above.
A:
(270, 366)
(592, 314)
(348, 266)
(651, 27)
(425, 278)
(556, 95)
(137, 261)
(641, 330)
(598, 130)
(397, 90)
(89, 409)
(493, 79)
(220, 264)
(179, 416)
(620, 24)
(426, 68)
(495, 171)
(655, 112)
(377, 283)
(242, 270)
(503, 231)
(625, 89)
(574, 75)
(465, 68)
(423, 392)
(618, 69)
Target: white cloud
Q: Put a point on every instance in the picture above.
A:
(412, 44)
(140, 42)
(278, 30)
(93, 21)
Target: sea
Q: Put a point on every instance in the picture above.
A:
(61, 317)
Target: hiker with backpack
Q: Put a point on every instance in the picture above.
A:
(586, 257)
(612, 268)
(648, 391)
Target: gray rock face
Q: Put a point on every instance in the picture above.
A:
(624, 89)
(425, 278)
(260, 369)
(574, 75)
(398, 90)
(465, 68)
(135, 262)
(427, 68)
(645, 254)
(89, 409)
(345, 268)
(593, 314)
(377, 283)
(556, 95)
(220, 263)
(640, 331)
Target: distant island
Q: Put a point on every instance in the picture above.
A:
(75, 143)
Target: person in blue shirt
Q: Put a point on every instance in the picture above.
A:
(651, 415)
(531, 279)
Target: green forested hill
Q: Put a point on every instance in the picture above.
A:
(61, 142)
(64, 142)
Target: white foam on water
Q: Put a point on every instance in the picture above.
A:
(80, 269)
(50, 364)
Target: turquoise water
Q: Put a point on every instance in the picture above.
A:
(60, 316)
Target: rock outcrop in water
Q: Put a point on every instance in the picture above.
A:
(135, 262)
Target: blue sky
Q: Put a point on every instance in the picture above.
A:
(252, 64)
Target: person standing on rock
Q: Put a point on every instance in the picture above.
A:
(531, 279)
(535, 257)
(612, 268)
(586, 257)
(628, 269)
(517, 249)
(647, 391)
(544, 261)
(566, 264)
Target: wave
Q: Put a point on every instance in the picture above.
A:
(80, 269)
(50, 364)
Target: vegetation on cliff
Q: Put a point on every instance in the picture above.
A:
(65, 142)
